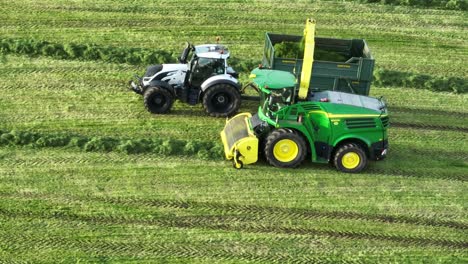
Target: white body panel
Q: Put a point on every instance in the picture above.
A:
(175, 74)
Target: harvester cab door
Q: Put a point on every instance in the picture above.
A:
(322, 133)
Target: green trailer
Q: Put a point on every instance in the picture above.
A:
(350, 71)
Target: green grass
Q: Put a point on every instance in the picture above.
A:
(413, 40)
(63, 204)
(146, 205)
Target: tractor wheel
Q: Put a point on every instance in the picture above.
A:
(157, 100)
(285, 148)
(350, 158)
(221, 100)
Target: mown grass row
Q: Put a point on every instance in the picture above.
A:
(91, 51)
(443, 4)
(384, 77)
(142, 56)
(88, 51)
(166, 147)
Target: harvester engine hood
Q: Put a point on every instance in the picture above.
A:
(377, 104)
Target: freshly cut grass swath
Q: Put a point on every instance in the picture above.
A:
(166, 147)
(443, 4)
(91, 51)
(383, 77)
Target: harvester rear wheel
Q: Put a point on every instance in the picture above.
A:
(350, 158)
(221, 100)
(285, 148)
(157, 100)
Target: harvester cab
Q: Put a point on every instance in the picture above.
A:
(206, 78)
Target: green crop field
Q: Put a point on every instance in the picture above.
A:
(88, 175)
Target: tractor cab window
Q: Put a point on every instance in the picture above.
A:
(212, 66)
(204, 68)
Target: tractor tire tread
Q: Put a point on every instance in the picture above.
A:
(211, 91)
(147, 99)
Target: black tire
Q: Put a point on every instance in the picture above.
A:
(350, 158)
(280, 150)
(158, 100)
(239, 165)
(221, 100)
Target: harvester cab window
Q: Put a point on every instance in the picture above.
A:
(280, 98)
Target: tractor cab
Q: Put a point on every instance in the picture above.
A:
(207, 61)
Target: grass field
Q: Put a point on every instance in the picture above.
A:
(64, 204)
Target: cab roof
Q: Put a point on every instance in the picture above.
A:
(273, 79)
(213, 51)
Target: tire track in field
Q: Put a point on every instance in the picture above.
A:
(428, 112)
(242, 224)
(409, 173)
(219, 223)
(459, 137)
(282, 214)
(458, 155)
(20, 241)
(259, 212)
(429, 126)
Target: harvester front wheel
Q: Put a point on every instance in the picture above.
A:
(350, 158)
(285, 148)
(157, 100)
(221, 100)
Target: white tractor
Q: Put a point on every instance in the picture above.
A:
(206, 78)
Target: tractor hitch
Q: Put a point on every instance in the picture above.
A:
(136, 86)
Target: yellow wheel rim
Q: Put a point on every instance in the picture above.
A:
(350, 160)
(285, 150)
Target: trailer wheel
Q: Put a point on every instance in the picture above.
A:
(350, 158)
(157, 100)
(285, 149)
(221, 100)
